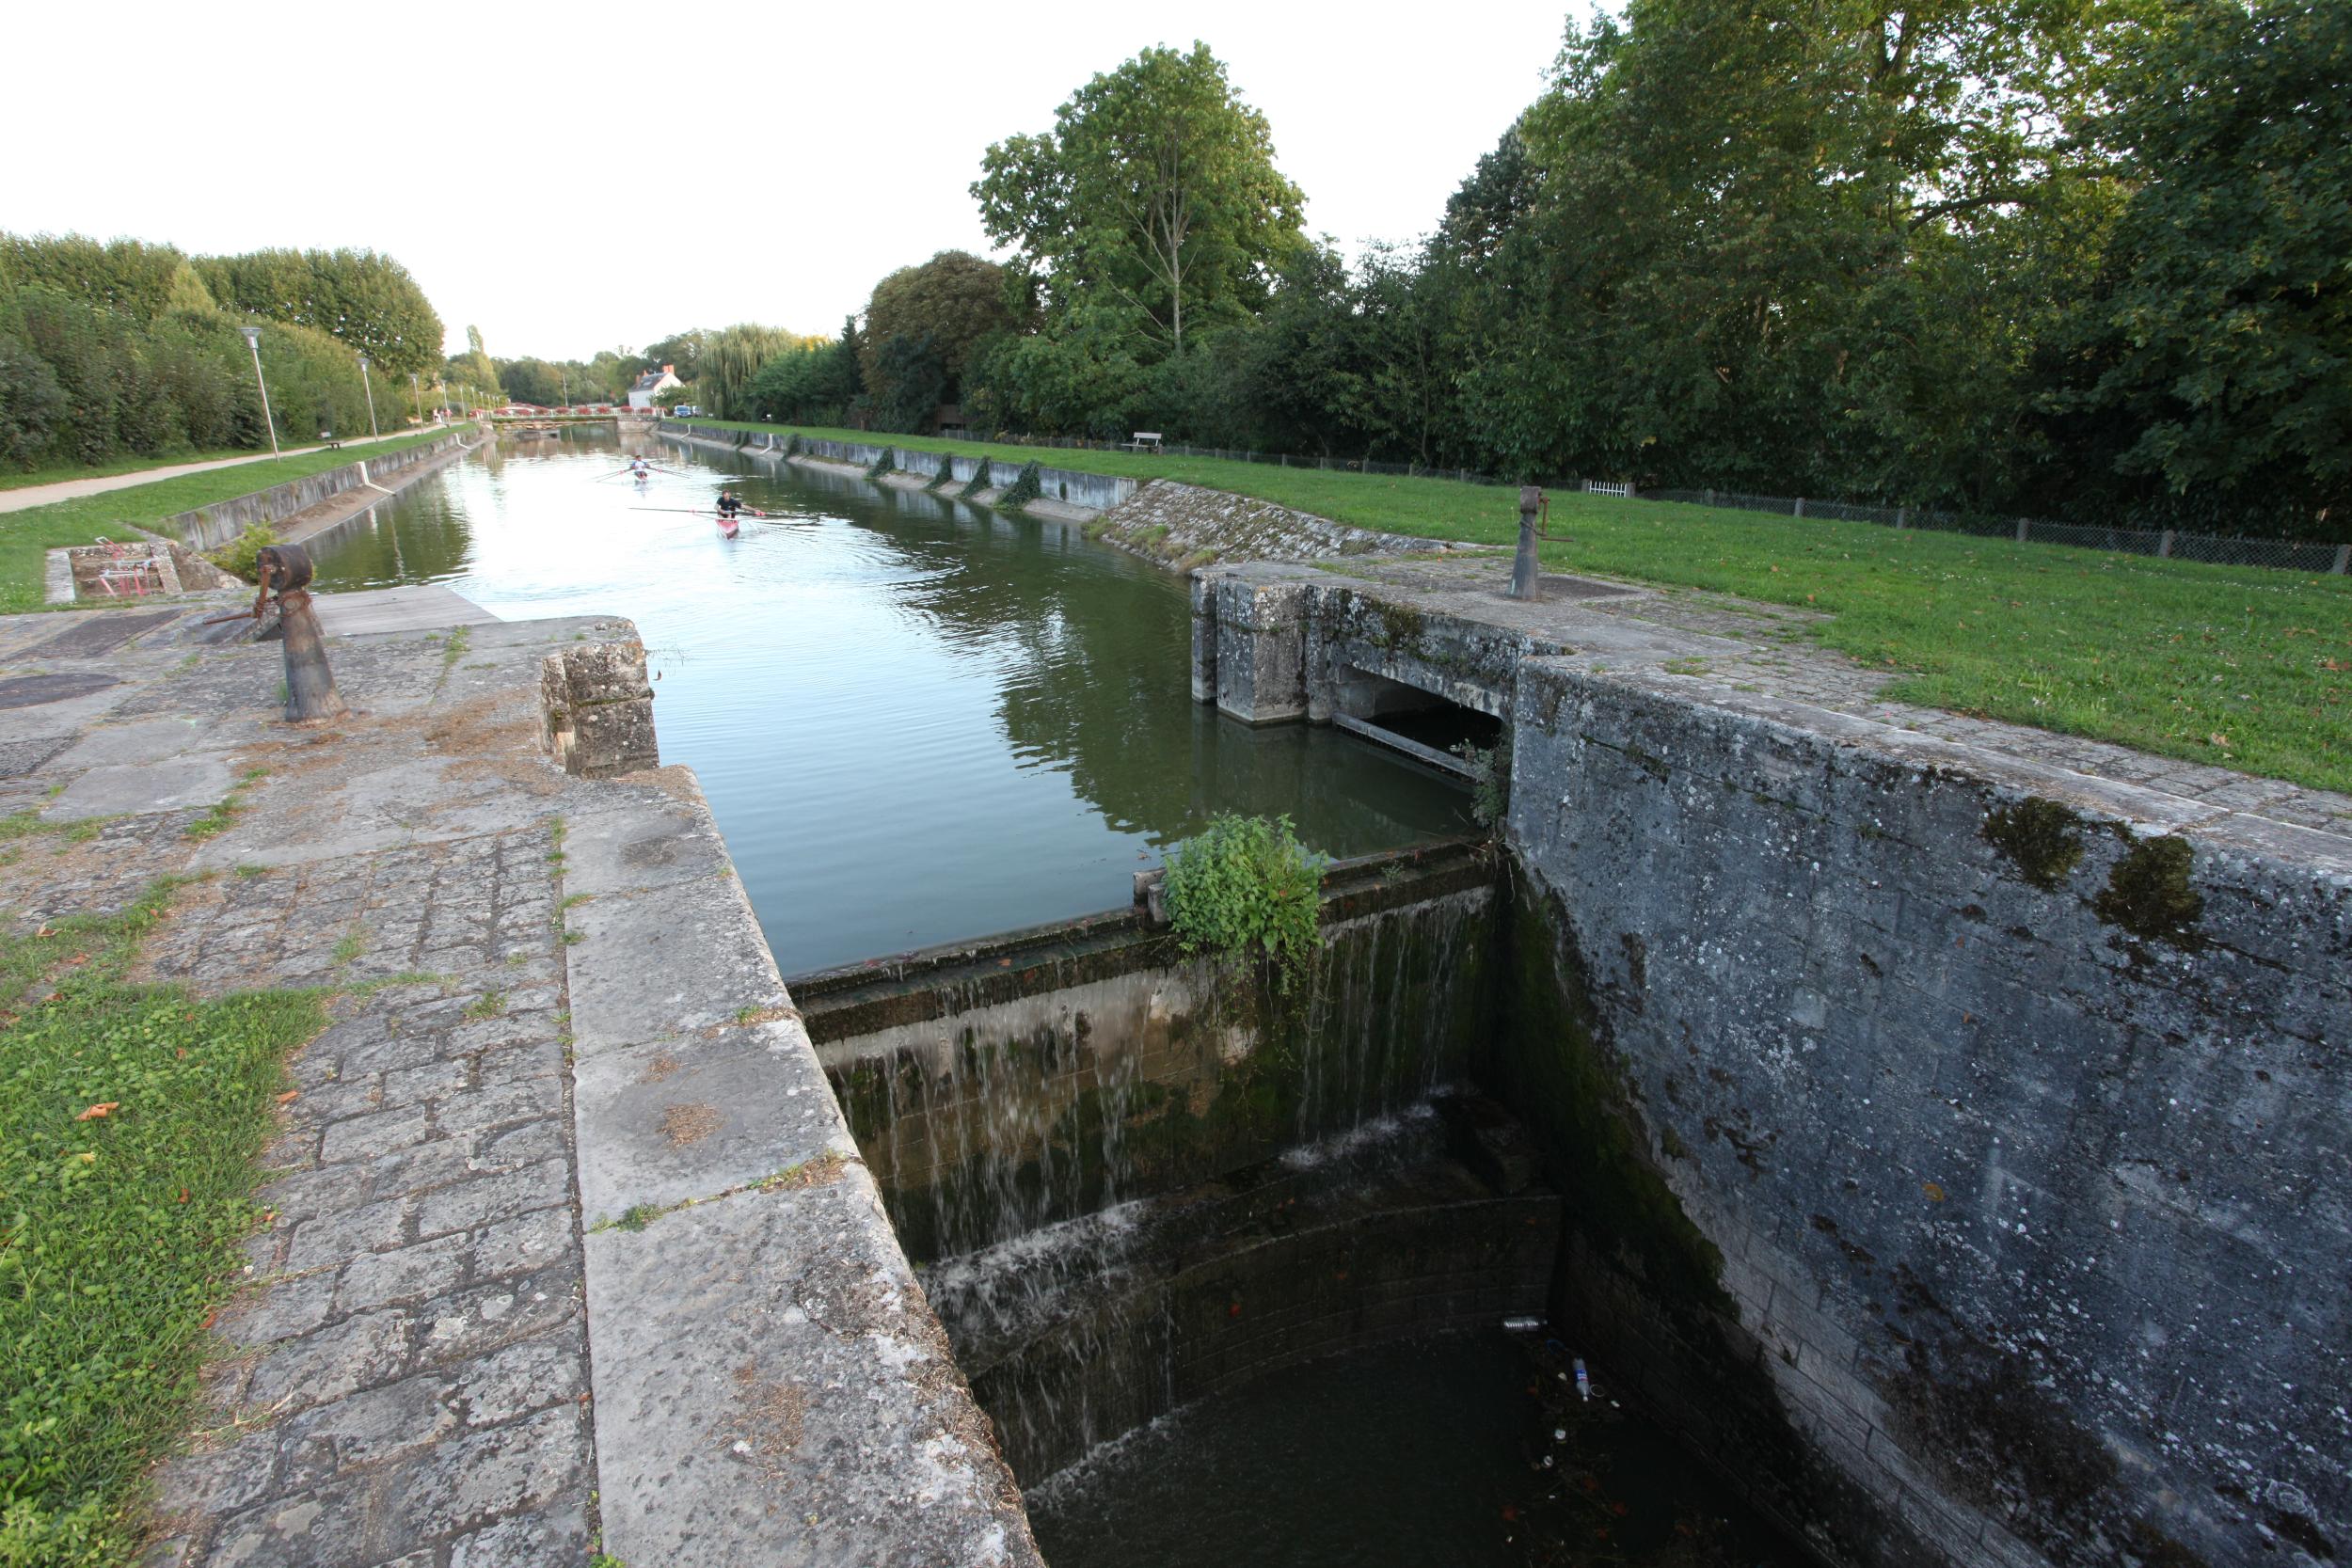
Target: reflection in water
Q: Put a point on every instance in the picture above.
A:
(916, 720)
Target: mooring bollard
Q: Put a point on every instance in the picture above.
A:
(1526, 571)
(310, 684)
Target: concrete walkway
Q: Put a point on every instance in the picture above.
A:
(569, 1248)
(30, 495)
(1749, 657)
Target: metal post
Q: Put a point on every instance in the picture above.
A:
(2022, 524)
(253, 341)
(1903, 514)
(371, 387)
(1526, 571)
(415, 386)
(310, 684)
(1799, 512)
(2344, 560)
(2164, 546)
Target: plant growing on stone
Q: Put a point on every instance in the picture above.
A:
(1022, 490)
(1245, 882)
(237, 557)
(1490, 782)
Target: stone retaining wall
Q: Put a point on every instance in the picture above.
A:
(1084, 491)
(209, 527)
(1075, 1338)
(1954, 1146)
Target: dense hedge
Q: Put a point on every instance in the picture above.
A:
(120, 351)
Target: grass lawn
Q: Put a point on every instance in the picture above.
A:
(130, 1121)
(27, 536)
(2236, 666)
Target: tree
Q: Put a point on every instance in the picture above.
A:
(1761, 243)
(731, 362)
(1156, 186)
(479, 371)
(811, 384)
(128, 277)
(950, 302)
(681, 350)
(366, 299)
(2222, 328)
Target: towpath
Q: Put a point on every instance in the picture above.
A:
(30, 495)
(568, 1247)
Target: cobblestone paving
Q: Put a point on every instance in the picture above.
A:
(413, 1388)
(1775, 666)
(405, 1381)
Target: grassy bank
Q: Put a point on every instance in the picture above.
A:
(2234, 666)
(130, 1121)
(27, 536)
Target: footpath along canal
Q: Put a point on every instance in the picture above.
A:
(916, 720)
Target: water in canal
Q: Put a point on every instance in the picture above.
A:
(916, 720)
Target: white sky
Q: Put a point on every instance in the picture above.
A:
(779, 159)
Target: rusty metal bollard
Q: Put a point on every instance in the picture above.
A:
(310, 684)
(1526, 571)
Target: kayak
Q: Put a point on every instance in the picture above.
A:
(729, 526)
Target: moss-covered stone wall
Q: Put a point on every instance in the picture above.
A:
(1953, 1146)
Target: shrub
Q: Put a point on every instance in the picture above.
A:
(237, 557)
(1245, 881)
(1490, 782)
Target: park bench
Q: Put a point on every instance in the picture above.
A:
(326, 440)
(1143, 440)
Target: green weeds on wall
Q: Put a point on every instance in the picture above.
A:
(1243, 882)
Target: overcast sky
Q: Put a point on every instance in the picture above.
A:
(720, 162)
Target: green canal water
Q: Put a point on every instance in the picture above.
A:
(918, 721)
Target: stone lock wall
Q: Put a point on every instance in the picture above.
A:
(595, 709)
(1012, 1086)
(1272, 643)
(1955, 1149)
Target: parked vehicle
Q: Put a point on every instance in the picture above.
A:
(686, 411)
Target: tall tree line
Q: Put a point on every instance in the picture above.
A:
(125, 349)
(2079, 258)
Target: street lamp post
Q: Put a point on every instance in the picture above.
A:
(416, 388)
(373, 434)
(253, 341)
(441, 390)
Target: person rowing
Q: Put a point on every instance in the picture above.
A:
(638, 468)
(728, 506)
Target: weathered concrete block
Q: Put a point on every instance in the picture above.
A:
(1259, 658)
(595, 709)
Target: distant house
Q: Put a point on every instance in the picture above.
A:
(641, 391)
